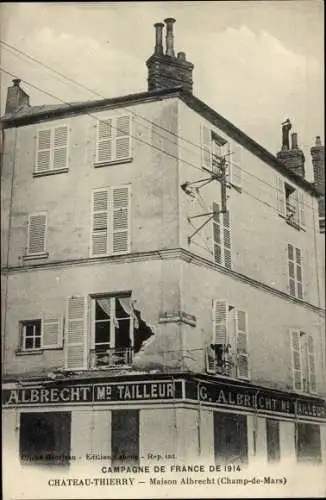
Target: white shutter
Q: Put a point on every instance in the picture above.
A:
(232, 340)
(227, 239)
(311, 364)
(36, 234)
(296, 359)
(60, 147)
(76, 333)
(292, 271)
(242, 344)
(280, 195)
(236, 165)
(104, 148)
(301, 203)
(51, 333)
(296, 215)
(299, 273)
(120, 219)
(43, 150)
(206, 147)
(217, 239)
(123, 138)
(220, 321)
(99, 231)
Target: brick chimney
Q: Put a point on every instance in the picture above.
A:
(165, 70)
(293, 158)
(16, 97)
(318, 163)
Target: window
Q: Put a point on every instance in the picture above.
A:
(36, 234)
(44, 438)
(41, 334)
(228, 352)
(230, 438)
(295, 272)
(52, 150)
(221, 236)
(273, 440)
(125, 437)
(290, 203)
(307, 441)
(113, 144)
(110, 232)
(303, 361)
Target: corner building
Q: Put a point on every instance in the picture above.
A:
(162, 283)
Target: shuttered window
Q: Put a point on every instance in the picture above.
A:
(110, 232)
(76, 344)
(280, 192)
(303, 361)
(37, 225)
(52, 149)
(242, 344)
(296, 359)
(295, 270)
(43, 333)
(309, 376)
(113, 142)
(236, 165)
(220, 321)
(221, 237)
(290, 203)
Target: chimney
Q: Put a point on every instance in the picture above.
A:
(16, 97)
(292, 158)
(318, 163)
(165, 70)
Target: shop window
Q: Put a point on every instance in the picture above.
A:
(273, 440)
(45, 438)
(230, 438)
(125, 437)
(308, 448)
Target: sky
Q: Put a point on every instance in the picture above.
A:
(256, 62)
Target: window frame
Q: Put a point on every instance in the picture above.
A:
(22, 328)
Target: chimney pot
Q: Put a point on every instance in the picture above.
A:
(182, 56)
(169, 21)
(16, 82)
(318, 141)
(294, 138)
(158, 38)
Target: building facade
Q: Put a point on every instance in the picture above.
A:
(162, 284)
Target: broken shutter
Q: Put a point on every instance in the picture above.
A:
(236, 165)
(311, 364)
(227, 239)
(99, 236)
(296, 359)
(120, 225)
(206, 147)
(76, 334)
(104, 141)
(36, 234)
(280, 195)
(220, 321)
(242, 344)
(51, 333)
(60, 147)
(301, 207)
(43, 150)
(217, 243)
(123, 138)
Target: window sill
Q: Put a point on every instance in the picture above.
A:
(51, 172)
(32, 351)
(36, 256)
(98, 164)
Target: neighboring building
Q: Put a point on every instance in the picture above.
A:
(152, 304)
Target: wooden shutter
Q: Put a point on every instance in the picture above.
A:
(104, 148)
(291, 268)
(280, 195)
(123, 138)
(236, 165)
(120, 224)
(227, 239)
(43, 150)
(217, 240)
(301, 202)
(296, 359)
(242, 344)
(51, 333)
(60, 147)
(295, 202)
(76, 333)
(36, 234)
(311, 364)
(232, 340)
(220, 321)
(206, 147)
(298, 272)
(99, 232)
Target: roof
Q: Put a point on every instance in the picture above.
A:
(35, 114)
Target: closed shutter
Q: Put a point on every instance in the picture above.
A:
(299, 273)
(280, 195)
(217, 243)
(236, 165)
(296, 359)
(242, 344)
(60, 147)
(43, 150)
(99, 232)
(311, 364)
(51, 333)
(76, 333)
(291, 268)
(302, 217)
(120, 224)
(104, 150)
(227, 240)
(123, 138)
(206, 147)
(220, 321)
(36, 234)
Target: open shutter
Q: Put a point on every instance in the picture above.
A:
(43, 150)
(217, 243)
(227, 239)
(296, 215)
(120, 224)
(311, 364)
(291, 268)
(51, 333)
(36, 234)
(280, 195)
(76, 334)
(123, 138)
(296, 359)
(232, 340)
(242, 344)
(236, 165)
(220, 322)
(104, 141)
(99, 236)
(302, 218)
(299, 273)
(206, 147)
(60, 147)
